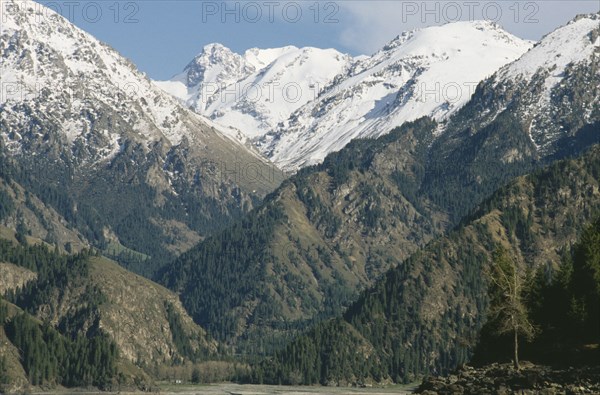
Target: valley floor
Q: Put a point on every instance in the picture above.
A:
(238, 389)
(234, 389)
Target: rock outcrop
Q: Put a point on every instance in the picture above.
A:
(502, 379)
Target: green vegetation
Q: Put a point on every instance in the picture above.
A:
(231, 263)
(7, 205)
(51, 359)
(583, 288)
(305, 253)
(180, 338)
(379, 337)
(55, 272)
(328, 354)
(564, 307)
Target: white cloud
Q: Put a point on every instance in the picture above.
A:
(368, 25)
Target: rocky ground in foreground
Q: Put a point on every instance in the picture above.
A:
(502, 379)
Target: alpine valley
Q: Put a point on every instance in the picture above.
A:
(299, 215)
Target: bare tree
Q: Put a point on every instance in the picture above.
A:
(507, 309)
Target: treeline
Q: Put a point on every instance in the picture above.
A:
(52, 359)
(331, 353)
(49, 357)
(215, 276)
(379, 338)
(206, 372)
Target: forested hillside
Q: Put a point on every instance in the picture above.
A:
(335, 228)
(314, 243)
(425, 315)
(371, 267)
(82, 320)
(49, 356)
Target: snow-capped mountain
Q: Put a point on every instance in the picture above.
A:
(75, 113)
(66, 74)
(432, 71)
(429, 72)
(254, 92)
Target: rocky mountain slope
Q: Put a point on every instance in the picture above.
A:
(515, 123)
(22, 212)
(14, 277)
(143, 318)
(94, 138)
(567, 57)
(532, 378)
(424, 316)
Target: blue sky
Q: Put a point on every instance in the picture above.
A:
(162, 36)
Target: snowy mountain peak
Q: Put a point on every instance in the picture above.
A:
(53, 63)
(214, 48)
(425, 72)
(299, 104)
(449, 32)
(261, 58)
(256, 91)
(215, 63)
(212, 54)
